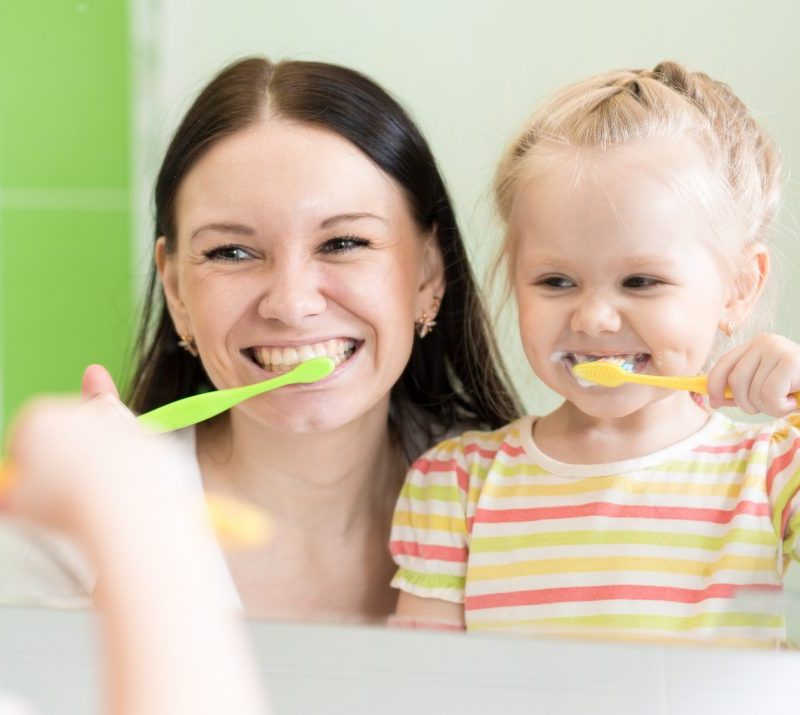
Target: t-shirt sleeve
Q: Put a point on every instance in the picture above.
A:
(429, 540)
(783, 483)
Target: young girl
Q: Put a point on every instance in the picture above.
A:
(637, 207)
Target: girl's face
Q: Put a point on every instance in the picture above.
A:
(615, 264)
(292, 244)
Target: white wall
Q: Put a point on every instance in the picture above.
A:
(470, 72)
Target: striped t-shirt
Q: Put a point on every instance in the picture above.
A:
(687, 543)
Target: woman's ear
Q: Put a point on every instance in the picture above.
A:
(747, 285)
(167, 268)
(432, 282)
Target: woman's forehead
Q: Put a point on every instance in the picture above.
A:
(283, 169)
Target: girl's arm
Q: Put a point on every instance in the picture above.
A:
(417, 612)
(94, 475)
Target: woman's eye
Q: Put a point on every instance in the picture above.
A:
(639, 282)
(556, 282)
(343, 244)
(227, 253)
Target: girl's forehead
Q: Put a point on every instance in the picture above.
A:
(634, 190)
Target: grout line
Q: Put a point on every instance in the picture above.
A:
(58, 199)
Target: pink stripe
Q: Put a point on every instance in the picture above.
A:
(449, 466)
(624, 592)
(743, 445)
(428, 551)
(621, 511)
(506, 449)
(781, 463)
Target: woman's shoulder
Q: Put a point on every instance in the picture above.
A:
(42, 569)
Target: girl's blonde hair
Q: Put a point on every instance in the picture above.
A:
(665, 103)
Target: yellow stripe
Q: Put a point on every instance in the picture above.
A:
(619, 563)
(529, 470)
(620, 484)
(429, 522)
(576, 538)
(432, 492)
(787, 492)
(737, 466)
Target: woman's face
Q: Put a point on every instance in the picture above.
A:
(292, 244)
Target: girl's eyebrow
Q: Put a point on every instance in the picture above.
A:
(652, 259)
(237, 229)
(557, 260)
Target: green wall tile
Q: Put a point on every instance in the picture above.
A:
(65, 194)
(64, 82)
(66, 293)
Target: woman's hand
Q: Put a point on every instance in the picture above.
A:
(98, 385)
(174, 647)
(67, 457)
(762, 375)
(98, 381)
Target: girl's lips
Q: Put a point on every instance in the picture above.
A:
(633, 361)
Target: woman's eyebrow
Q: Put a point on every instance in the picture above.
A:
(342, 218)
(237, 229)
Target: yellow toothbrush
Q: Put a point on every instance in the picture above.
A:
(236, 523)
(609, 374)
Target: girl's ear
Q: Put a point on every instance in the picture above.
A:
(747, 286)
(167, 267)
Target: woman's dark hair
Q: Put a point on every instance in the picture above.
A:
(454, 378)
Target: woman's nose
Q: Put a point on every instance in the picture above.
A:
(594, 315)
(292, 294)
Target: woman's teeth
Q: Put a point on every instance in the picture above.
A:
(285, 359)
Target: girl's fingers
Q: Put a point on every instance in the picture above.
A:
(719, 377)
(756, 394)
(776, 397)
(740, 380)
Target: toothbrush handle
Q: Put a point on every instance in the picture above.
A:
(6, 478)
(699, 384)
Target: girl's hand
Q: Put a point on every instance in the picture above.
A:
(762, 374)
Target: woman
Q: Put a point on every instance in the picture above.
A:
(299, 212)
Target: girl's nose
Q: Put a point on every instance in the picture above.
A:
(593, 315)
(292, 294)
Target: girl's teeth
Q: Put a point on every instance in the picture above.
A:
(625, 361)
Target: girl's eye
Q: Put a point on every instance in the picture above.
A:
(640, 282)
(231, 253)
(343, 244)
(556, 282)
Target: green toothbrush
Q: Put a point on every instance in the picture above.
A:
(194, 409)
